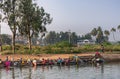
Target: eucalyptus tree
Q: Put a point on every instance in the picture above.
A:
(107, 33)
(0, 33)
(34, 19)
(11, 13)
(113, 30)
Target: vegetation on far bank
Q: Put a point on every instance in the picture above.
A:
(60, 48)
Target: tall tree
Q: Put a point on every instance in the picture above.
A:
(86, 36)
(51, 37)
(107, 33)
(98, 33)
(73, 38)
(94, 32)
(100, 37)
(11, 12)
(0, 33)
(33, 21)
(118, 27)
(113, 30)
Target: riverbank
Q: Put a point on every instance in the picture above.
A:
(107, 57)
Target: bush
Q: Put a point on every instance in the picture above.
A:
(107, 43)
(63, 44)
(7, 47)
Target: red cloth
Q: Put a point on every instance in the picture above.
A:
(7, 63)
(97, 54)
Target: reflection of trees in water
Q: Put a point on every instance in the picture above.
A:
(21, 71)
(0, 74)
(59, 68)
(13, 73)
(99, 66)
(46, 68)
(62, 68)
(33, 73)
(102, 68)
(30, 73)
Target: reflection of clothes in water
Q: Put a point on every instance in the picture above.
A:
(7, 63)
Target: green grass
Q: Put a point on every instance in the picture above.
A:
(22, 49)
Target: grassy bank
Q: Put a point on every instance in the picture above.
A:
(53, 49)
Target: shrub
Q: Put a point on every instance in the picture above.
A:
(63, 44)
(7, 47)
(7, 52)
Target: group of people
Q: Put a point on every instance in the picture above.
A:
(38, 62)
(60, 61)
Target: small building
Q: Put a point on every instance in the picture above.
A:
(85, 41)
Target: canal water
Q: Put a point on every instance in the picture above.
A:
(103, 71)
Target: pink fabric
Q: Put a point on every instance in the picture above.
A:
(97, 53)
(7, 63)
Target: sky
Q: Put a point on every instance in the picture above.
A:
(80, 16)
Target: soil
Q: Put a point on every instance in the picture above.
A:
(107, 57)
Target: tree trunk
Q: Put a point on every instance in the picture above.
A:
(0, 40)
(1, 47)
(13, 43)
(0, 43)
(29, 39)
(113, 36)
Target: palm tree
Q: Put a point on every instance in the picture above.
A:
(107, 33)
(118, 27)
(100, 37)
(113, 30)
(94, 32)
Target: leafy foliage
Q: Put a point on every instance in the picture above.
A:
(52, 37)
(33, 21)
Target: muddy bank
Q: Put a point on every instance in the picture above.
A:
(111, 57)
(107, 57)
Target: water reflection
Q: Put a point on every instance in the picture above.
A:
(101, 66)
(98, 71)
(13, 73)
(0, 74)
(30, 72)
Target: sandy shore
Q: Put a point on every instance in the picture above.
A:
(107, 57)
(40, 56)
